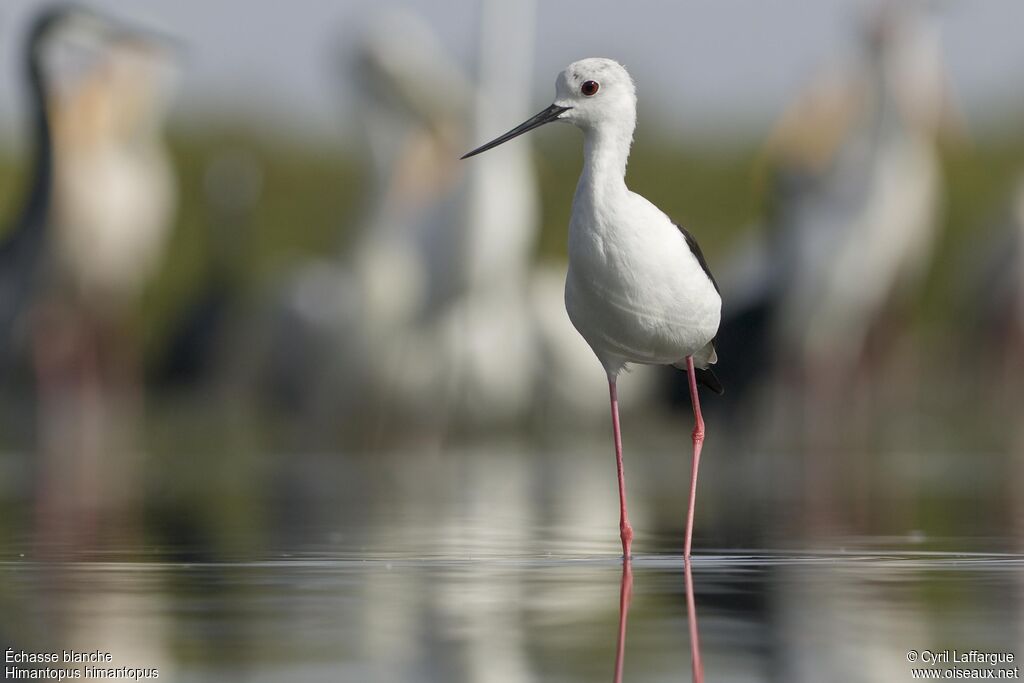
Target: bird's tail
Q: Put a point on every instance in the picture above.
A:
(707, 378)
(702, 361)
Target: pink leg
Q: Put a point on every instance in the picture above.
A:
(625, 530)
(698, 442)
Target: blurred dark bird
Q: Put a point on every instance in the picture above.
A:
(992, 299)
(192, 353)
(24, 243)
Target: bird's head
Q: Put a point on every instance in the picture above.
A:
(595, 91)
(86, 27)
(70, 21)
(590, 94)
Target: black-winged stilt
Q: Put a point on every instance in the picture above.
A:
(638, 288)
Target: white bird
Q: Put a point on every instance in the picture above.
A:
(638, 288)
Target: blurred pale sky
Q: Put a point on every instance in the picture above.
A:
(703, 66)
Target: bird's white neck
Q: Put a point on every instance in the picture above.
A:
(605, 153)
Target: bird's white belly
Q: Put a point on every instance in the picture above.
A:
(658, 312)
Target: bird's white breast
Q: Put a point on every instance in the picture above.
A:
(634, 289)
(115, 206)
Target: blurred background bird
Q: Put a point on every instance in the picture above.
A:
(854, 210)
(96, 214)
(340, 337)
(25, 241)
(402, 324)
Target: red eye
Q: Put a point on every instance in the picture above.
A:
(589, 88)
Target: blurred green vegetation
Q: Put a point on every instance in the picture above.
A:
(307, 198)
(979, 177)
(313, 196)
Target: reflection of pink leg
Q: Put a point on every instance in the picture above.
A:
(691, 618)
(625, 530)
(698, 441)
(625, 596)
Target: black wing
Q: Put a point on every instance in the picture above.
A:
(705, 376)
(691, 242)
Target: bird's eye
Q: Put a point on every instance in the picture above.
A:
(590, 88)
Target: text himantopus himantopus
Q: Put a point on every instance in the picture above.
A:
(638, 288)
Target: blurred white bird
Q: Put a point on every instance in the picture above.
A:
(342, 321)
(404, 323)
(115, 189)
(854, 213)
(854, 222)
(860, 233)
(113, 200)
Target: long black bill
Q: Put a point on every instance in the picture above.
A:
(546, 116)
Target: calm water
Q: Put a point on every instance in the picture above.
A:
(493, 565)
(762, 617)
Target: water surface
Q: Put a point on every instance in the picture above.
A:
(500, 564)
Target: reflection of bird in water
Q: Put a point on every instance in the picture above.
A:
(696, 662)
(625, 598)
(483, 503)
(812, 624)
(122, 610)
